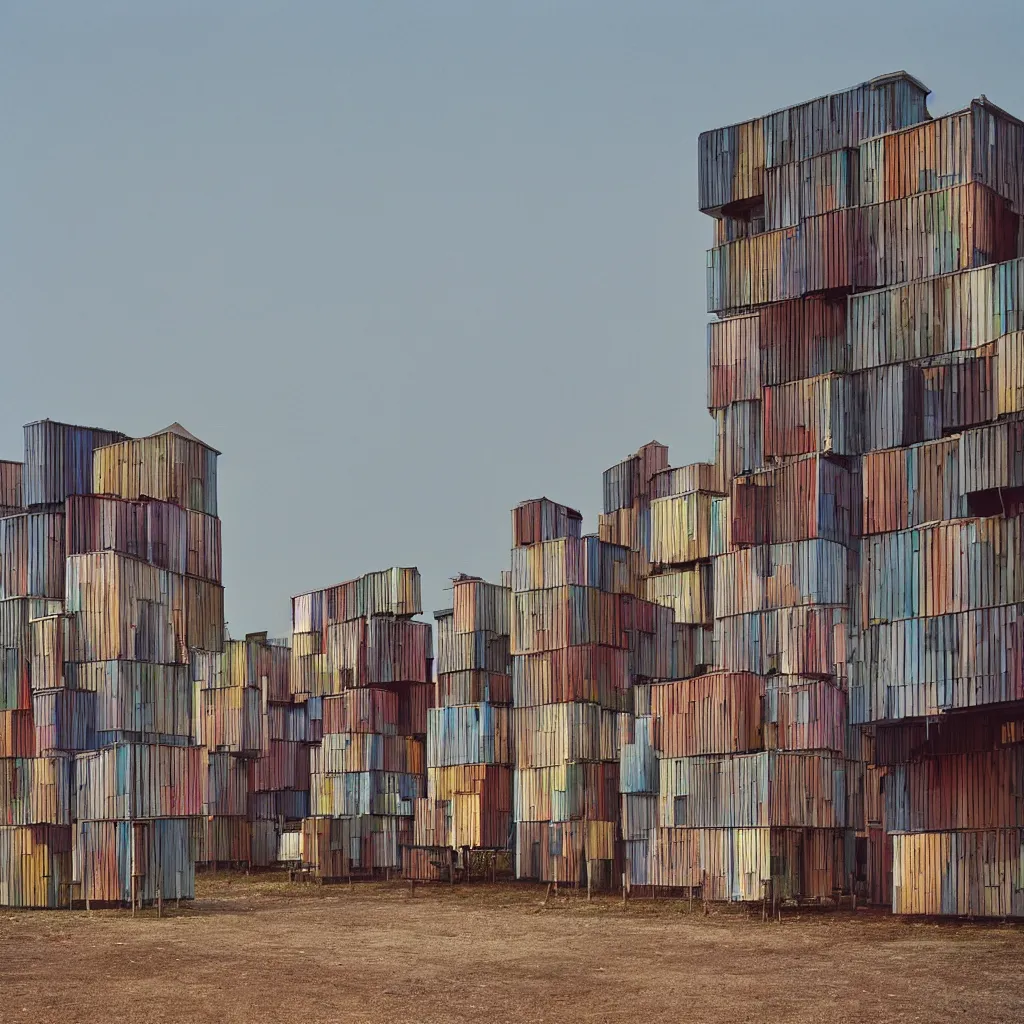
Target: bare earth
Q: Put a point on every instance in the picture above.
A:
(261, 949)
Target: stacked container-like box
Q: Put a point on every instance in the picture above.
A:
(468, 806)
(357, 647)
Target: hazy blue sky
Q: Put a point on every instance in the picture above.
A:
(405, 264)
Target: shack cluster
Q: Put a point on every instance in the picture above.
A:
(792, 673)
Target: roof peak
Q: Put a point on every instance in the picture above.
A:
(177, 428)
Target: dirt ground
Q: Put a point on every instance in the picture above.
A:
(262, 949)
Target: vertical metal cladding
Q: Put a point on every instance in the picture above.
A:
(869, 287)
(686, 591)
(172, 465)
(957, 566)
(357, 652)
(470, 752)
(732, 161)
(626, 522)
(572, 561)
(970, 873)
(581, 638)
(739, 438)
(805, 713)
(360, 634)
(759, 785)
(592, 673)
(819, 184)
(717, 713)
(908, 487)
(138, 780)
(256, 734)
(123, 609)
(35, 791)
(65, 720)
(876, 246)
(159, 532)
(699, 787)
(980, 143)
(12, 498)
(59, 460)
(921, 667)
(990, 461)
(810, 498)
(134, 701)
(541, 519)
(681, 528)
(753, 790)
(35, 865)
(777, 576)
(936, 316)
(104, 599)
(116, 861)
(32, 555)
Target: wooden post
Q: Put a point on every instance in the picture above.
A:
(547, 895)
(556, 876)
(160, 879)
(624, 891)
(132, 826)
(589, 879)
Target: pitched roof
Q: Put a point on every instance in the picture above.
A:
(177, 428)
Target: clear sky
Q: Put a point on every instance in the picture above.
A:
(404, 264)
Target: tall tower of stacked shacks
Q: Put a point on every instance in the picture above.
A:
(256, 737)
(581, 638)
(111, 579)
(228, 726)
(468, 806)
(865, 385)
(665, 516)
(937, 652)
(279, 778)
(356, 646)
